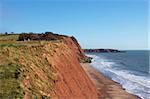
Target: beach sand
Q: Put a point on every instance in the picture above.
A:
(107, 88)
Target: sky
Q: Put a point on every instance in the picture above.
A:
(120, 24)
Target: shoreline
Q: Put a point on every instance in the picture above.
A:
(107, 88)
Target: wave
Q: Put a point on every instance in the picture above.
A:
(135, 84)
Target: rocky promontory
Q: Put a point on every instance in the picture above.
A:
(102, 50)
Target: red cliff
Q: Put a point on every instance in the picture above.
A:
(72, 81)
(44, 69)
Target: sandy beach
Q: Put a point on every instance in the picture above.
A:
(108, 89)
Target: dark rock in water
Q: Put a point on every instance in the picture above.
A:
(86, 60)
(103, 50)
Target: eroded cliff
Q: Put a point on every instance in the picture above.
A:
(44, 69)
(72, 81)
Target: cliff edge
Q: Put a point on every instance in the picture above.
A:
(44, 69)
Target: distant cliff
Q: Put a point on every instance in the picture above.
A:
(102, 50)
(44, 69)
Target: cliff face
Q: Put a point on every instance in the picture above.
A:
(73, 44)
(45, 69)
(71, 82)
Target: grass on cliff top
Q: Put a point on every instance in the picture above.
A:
(19, 60)
(11, 37)
(9, 74)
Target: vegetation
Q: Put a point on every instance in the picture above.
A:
(25, 70)
(11, 37)
(9, 74)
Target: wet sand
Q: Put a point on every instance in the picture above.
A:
(107, 88)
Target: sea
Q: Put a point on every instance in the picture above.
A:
(130, 68)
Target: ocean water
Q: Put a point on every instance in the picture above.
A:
(131, 69)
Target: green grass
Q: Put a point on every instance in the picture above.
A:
(10, 45)
(10, 89)
(12, 37)
(10, 78)
(16, 61)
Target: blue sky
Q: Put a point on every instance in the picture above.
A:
(121, 24)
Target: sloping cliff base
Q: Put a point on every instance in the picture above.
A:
(108, 88)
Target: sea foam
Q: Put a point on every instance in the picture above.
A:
(135, 84)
